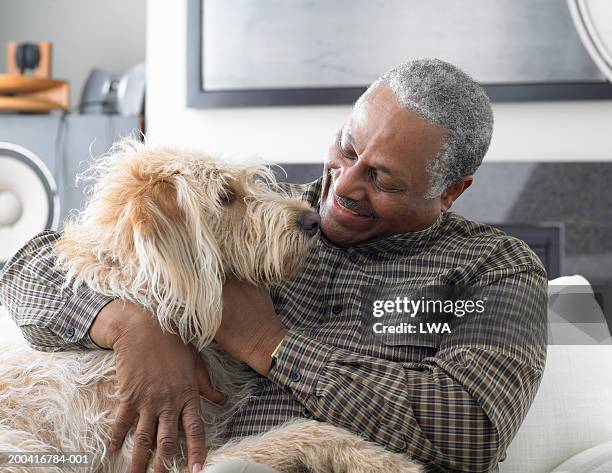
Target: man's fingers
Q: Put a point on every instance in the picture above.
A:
(167, 433)
(122, 424)
(195, 435)
(143, 443)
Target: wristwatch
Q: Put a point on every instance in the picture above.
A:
(274, 354)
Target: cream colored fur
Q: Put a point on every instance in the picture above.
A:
(163, 228)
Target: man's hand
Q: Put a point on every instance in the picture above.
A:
(160, 379)
(250, 330)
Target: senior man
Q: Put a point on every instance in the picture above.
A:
(452, 400)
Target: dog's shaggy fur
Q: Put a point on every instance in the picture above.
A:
(164, 228)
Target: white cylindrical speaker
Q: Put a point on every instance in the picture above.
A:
(29, 201)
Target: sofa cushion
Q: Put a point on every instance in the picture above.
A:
(594, 460)
(571, 412)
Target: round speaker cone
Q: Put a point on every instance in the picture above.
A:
(10, 208)
(29, 202)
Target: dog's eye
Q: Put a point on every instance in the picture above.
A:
(226, 196)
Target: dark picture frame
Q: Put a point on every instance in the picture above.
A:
(200, 97)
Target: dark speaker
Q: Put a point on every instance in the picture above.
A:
(27, 56)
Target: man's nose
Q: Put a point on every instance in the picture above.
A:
(348, 182)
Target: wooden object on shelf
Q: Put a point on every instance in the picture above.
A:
(20, 93)
(44, 66)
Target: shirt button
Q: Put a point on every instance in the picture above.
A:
(295, 376)
(354, 257)
(337, 309)
(70, 332)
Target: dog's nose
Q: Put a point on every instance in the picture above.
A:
(309, 222)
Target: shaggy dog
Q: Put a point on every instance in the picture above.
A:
(163, 229)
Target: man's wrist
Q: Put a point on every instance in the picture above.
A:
(106, 327)
(261, 358)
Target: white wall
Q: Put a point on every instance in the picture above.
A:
(109, 34)
(550, 131)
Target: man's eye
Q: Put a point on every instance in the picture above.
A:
(381, 186)
(346, 151)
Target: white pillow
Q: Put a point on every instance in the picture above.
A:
(574, 316)
(594, 460)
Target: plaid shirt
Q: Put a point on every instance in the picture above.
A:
(452, 401)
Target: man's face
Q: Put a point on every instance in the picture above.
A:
(376, 175)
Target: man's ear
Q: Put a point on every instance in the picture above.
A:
(453, 192)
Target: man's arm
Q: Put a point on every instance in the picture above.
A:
(51, 317)
(457, 410)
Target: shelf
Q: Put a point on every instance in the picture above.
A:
(32, 94)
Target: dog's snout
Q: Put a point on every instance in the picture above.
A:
(309, 223)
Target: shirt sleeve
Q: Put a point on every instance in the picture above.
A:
(455, 411)
(51, 317)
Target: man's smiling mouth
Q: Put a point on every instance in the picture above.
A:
(338, 202)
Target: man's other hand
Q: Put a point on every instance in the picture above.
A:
(160, 380)
(250, 330)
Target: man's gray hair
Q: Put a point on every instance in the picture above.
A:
(443, 95)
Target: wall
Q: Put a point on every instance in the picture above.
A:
(552, 131)
(109, 34)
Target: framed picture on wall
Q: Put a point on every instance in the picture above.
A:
(299, 52)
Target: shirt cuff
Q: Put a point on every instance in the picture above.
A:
(77, 316)
(87, 341)
(299, 363)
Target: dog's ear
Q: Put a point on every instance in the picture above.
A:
(179, 257)
(148, 235)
